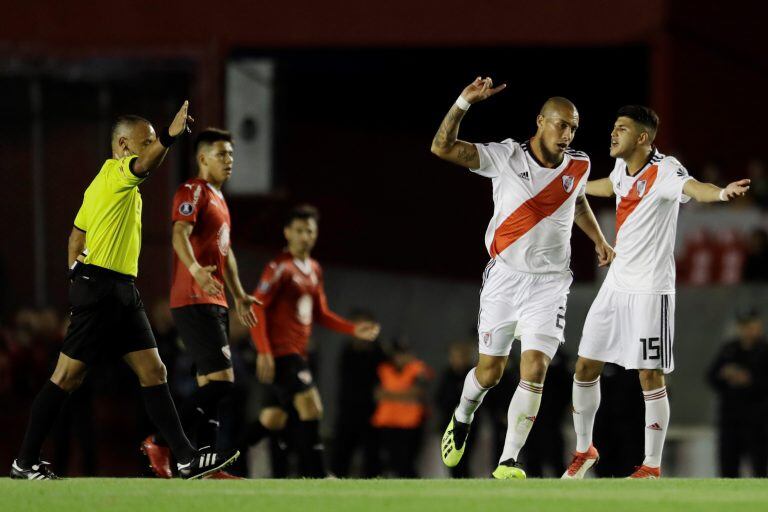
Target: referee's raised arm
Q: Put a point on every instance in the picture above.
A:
(151, 158)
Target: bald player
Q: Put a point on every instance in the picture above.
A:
(203, 263)
(538, 193)
(107, 315)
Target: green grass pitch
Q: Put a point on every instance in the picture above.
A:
(148, 495)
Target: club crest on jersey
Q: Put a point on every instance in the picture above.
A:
(186, 208)
(641, 187)
(568, 183)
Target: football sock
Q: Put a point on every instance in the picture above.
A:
(45, 409)
(311, 450)
(162, 412)
(522, 412)
(208, 399)
(471, 397)
(656, 422)
(586, 400)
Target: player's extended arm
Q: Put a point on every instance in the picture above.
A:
(181, 244)
(364, 330)
(445, 143)
(153, 156)
(585, 219)
(243, 301)
(600, 188)
(709, 193)
(75, 246)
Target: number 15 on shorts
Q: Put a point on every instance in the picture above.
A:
(651, 348)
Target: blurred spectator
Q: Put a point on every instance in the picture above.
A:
(731, 256)
(696, 266)
(461, 359)
(358, 379)
(739, 374)
(545, 450)
(756, 264)
(401, 411)
(759, 186)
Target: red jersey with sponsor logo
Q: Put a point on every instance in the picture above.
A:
(293, 298)
(199, 203)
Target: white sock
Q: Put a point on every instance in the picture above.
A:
(520, 417)
(586, 400)
(471, 397)
(656, 422)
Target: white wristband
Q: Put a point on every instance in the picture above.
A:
(462, 103)
(193, 268)
(722, 195)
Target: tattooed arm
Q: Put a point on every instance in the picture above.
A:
(445, 143)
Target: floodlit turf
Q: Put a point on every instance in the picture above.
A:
(146, 495)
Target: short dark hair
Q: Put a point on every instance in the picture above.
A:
(126, 120)
(641, 115)
(211, 135)
(302, 212)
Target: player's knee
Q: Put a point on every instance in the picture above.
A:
(586, 370)
(68, 379)
(489, 376)
(154, 376)
(533, 367)
(273, 419)
(69, 382)
(651, 379)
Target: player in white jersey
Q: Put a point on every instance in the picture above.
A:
(631, 321)
(538, 193)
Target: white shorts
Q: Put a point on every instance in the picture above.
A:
(635, 331)
(518, 305)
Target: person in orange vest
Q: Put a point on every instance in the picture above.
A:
(401, 410)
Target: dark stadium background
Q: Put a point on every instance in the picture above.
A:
(359, 90)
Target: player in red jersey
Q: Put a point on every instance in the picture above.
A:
(292, 297)
(203, 262)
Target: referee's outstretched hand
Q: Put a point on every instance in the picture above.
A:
(245, 311)
(181, 122)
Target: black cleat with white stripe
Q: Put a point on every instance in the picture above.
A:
(39, 471)
(207, 461)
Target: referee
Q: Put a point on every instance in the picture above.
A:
(107, 315)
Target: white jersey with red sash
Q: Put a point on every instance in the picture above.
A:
(533, 206)
(631, 321)
(526, 283)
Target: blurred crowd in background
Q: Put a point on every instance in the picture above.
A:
(388, 405)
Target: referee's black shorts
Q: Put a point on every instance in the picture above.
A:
(204, 329)
(292, 376)
(107, 317)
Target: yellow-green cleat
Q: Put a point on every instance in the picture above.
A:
(450, 450)
(509, 470)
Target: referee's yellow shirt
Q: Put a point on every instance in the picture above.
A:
(111, 218)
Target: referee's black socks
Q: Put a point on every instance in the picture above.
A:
(162, 412)
(45, 409)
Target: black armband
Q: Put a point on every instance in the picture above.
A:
(166, 140)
